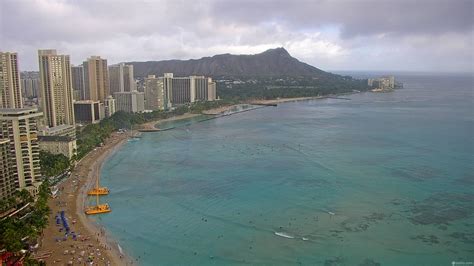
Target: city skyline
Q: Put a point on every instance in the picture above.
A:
(340, 35)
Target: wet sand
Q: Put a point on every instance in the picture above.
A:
(91, 240)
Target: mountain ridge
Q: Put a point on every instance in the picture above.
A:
(272, 62)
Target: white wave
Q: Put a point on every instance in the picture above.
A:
(284, 235)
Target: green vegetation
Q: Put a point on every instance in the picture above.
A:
(53, 164)
(33, 219)
(93, 135)
(288, 87)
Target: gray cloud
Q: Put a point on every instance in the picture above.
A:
(366, 34)
(356, 18)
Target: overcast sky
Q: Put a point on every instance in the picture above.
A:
(419, 35)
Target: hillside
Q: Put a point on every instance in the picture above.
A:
(273, 62)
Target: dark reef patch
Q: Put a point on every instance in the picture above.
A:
(467, 180)
(369, 262)
(354, 226)
(442, 208)
(464, 237)
(429, 239)
(415, 173)
(334, 261)
(375, 217)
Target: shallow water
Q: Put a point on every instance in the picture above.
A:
(383, 178)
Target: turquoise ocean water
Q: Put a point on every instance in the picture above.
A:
(382, 178)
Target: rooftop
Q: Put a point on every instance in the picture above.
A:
(55, 138)
(19, 111)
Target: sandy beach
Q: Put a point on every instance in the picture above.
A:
(151, 125)
(91, 241)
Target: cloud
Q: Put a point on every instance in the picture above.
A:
(346, 34)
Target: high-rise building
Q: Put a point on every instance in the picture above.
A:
(154, 93)
(30, 87)
(109, 105)
(181, 90)
(10, 92)
(19, 126)
(56, 88)
(7, 171)
(96, 79)
(130, 102)
(205, 88)
(77, 76)
(121, 78)
(87, 111)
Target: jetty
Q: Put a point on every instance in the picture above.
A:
(264, 104)
(149, 130)
(338, 98)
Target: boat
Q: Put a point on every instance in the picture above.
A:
(98, 208)
(98, 191)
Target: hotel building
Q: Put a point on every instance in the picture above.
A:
(56, 88)
(10, 92)
(19, 126)
(87, 111)
(96, 79)
(121, 78)
(7, 171)
(130, 102)
(154, 93)
(181, 90)
(64, 145)
(77, 74)
(109, 106)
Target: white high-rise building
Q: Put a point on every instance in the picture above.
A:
(130, 102)
(154, 93)
(110, 106)
(96, 79)
(121, 78)
(56, 88)
(20, 127)
(10, 92)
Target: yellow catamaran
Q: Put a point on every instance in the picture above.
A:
(98, 208)
(98, 190)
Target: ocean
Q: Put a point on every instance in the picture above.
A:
(380, 179)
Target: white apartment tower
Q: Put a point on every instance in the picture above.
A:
(20, 127)
(56, 88)
(130, 102)
(96, 79)
(10, 92)
(121, 78)
(154, 93)
(7, 170)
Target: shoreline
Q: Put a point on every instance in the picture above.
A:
(85, 173)
(72, 198)
(151, 124)
(117, 256)
(223, 109)
(91, 241)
